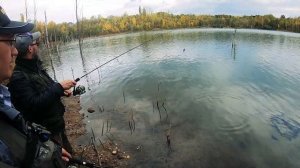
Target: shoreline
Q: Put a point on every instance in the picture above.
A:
(103, 153)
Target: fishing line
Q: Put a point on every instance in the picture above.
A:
(78, 79)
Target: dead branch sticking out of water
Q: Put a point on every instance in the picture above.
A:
(72, 72)
(158, 88)
(157, 101)
(124, 96)
(82, 152)
(132, 119)
(99, 76)
(131, 123)
(110, 126)
(168, 136)
(168, 141)
(158, 110)
(101, 143)
(102, 128)
(101, 109)
(107, 125)
(99, 72)
(130, 126)
(96, 151)
(163, 105)
(111, 140)
(153, 106)
(94, 138)
(233, 45)
(233, 39)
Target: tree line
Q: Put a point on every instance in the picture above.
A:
(96, 26)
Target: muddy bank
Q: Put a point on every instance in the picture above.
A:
(103, 153)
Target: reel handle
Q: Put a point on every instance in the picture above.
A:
(74, 88)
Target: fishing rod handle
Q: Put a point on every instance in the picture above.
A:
(77, 79)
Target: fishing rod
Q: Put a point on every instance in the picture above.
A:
(78, 79)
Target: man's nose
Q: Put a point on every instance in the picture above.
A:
(14, 51)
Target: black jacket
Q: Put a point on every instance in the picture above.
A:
(25, 147)
(36, 95)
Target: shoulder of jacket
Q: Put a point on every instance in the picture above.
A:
(18, 74)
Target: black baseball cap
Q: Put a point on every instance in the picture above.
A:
(12, 27)
(24, 40)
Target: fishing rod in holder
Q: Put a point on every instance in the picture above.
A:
(81, 89)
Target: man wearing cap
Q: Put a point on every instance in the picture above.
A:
(34, 93)
(13, 133)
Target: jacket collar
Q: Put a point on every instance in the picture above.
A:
(31, 64)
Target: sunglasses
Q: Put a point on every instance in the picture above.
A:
(11, 42)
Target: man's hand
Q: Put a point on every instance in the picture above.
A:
(68, 93)
(67, 84)
(65, 155)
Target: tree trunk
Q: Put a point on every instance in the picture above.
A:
(79, 32)
(48, 47)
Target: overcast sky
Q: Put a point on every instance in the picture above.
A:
(64, 10)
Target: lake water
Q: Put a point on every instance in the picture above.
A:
(218, 104)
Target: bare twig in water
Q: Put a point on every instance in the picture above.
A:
(163, 105)
(102, 128)
(153, 106)
(110, 126)
(158, 87)
(157, 106)
(94, 138)
(107, 126)
(132, 120)
(157, 101)
(133, 125)
(96, 151)
(101, 143)
(98, 70)
(158, 110)
(168, 141)
(233, 45)
(130, 127)
(168, 135)
(111, 140)
(101, 109)
(124, 96)
(72, 72)
(82, 152)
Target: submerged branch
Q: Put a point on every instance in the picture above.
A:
(130, 127)
(103, 127)
(124, 96)
(163, 105)
(94, 138)
(158, 110)
(101, 143)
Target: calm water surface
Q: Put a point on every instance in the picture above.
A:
(220, 106)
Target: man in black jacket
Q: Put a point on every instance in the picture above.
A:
(16, 146)
(34, 93)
